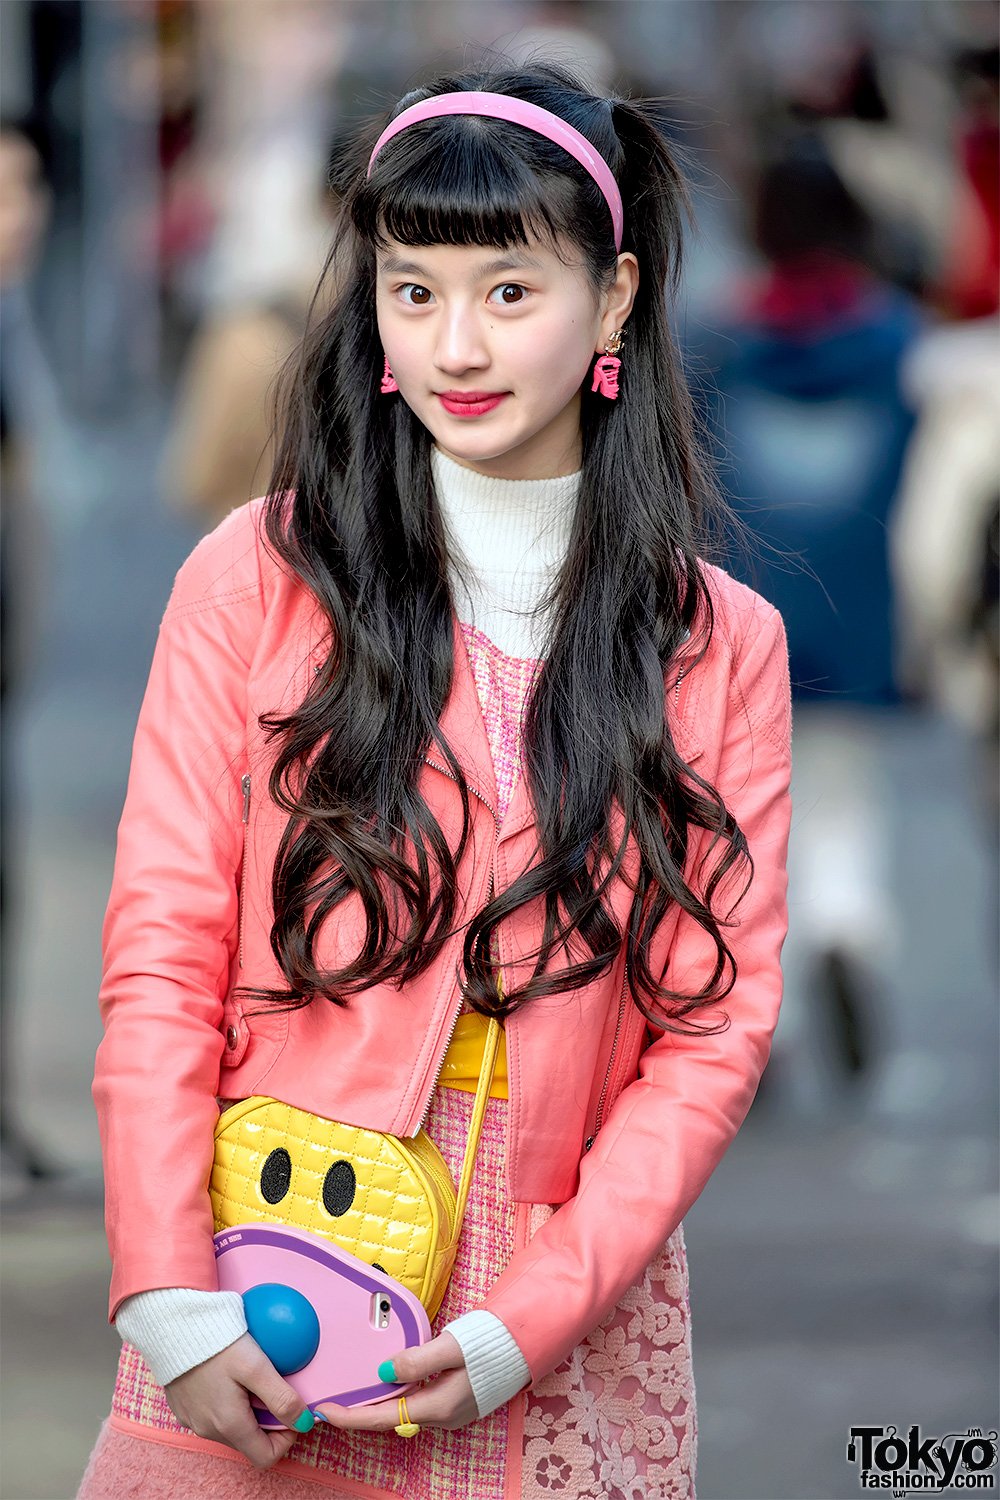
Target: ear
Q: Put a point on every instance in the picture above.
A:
(619, 300)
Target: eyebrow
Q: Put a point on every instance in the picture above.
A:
(394, 266)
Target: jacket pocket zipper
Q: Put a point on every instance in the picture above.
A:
(245, 783)
(611, 1062)
(489, 896)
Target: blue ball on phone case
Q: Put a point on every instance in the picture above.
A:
(283, 1323)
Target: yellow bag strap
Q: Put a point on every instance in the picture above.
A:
(490, 1048)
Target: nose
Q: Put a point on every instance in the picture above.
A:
(460, 345)
(283, 1323)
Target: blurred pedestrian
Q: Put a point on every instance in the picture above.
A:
(25, 211)
(944, 535)
(943, 542)
(799, 380)
(222, 437)
(471, 531)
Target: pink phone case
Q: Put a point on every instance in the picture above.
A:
(347, 1296)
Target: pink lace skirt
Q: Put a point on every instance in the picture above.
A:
(616, 1421)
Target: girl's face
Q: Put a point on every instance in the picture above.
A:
(516, 323)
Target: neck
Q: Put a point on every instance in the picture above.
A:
(507, 540)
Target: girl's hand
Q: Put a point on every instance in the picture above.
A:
(213, 1400)
(447, 1402)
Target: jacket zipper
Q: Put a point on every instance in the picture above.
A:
(489, 897)
(245, 783)
(611, 1062)
(622, 998)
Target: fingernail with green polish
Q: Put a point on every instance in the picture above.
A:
(305, 1422)
(387, 1370)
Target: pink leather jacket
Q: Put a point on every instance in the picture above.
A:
(618, 1124)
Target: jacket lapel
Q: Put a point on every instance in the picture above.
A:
(463, 726)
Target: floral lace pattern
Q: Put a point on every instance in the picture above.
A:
(617, 1420)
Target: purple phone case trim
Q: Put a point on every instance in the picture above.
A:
(276, 1238)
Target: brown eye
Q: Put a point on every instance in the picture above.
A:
(416, 288)
(512, 286)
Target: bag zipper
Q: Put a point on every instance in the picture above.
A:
(489, 897)
(611, 1062)
(245, 783)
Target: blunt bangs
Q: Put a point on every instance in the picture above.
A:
(449, 182)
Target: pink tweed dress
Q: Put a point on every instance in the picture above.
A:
(615, 1421)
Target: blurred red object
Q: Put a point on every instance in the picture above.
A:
(971, 283)
(973, 291)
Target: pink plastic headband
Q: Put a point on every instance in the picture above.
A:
(532, 117)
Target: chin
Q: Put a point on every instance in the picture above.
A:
(474, 447)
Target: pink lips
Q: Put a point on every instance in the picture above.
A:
(470, 403)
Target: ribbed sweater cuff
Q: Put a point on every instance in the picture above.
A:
(176, 1328)
(496, 1367)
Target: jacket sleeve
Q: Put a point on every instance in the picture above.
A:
(170, 929)
(668, 1129)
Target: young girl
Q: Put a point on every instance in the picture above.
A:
(466, 652)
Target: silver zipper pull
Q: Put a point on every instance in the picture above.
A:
(245, 783)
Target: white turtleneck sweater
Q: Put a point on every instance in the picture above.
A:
(506, 540)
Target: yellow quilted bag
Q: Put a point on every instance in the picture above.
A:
(390, 1200)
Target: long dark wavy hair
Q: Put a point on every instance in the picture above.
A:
(351, 510)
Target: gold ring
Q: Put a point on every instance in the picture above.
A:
(406, 1428)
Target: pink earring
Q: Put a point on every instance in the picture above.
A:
(388, 380)
(607, 367)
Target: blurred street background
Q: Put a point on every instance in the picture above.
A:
(164, 207)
